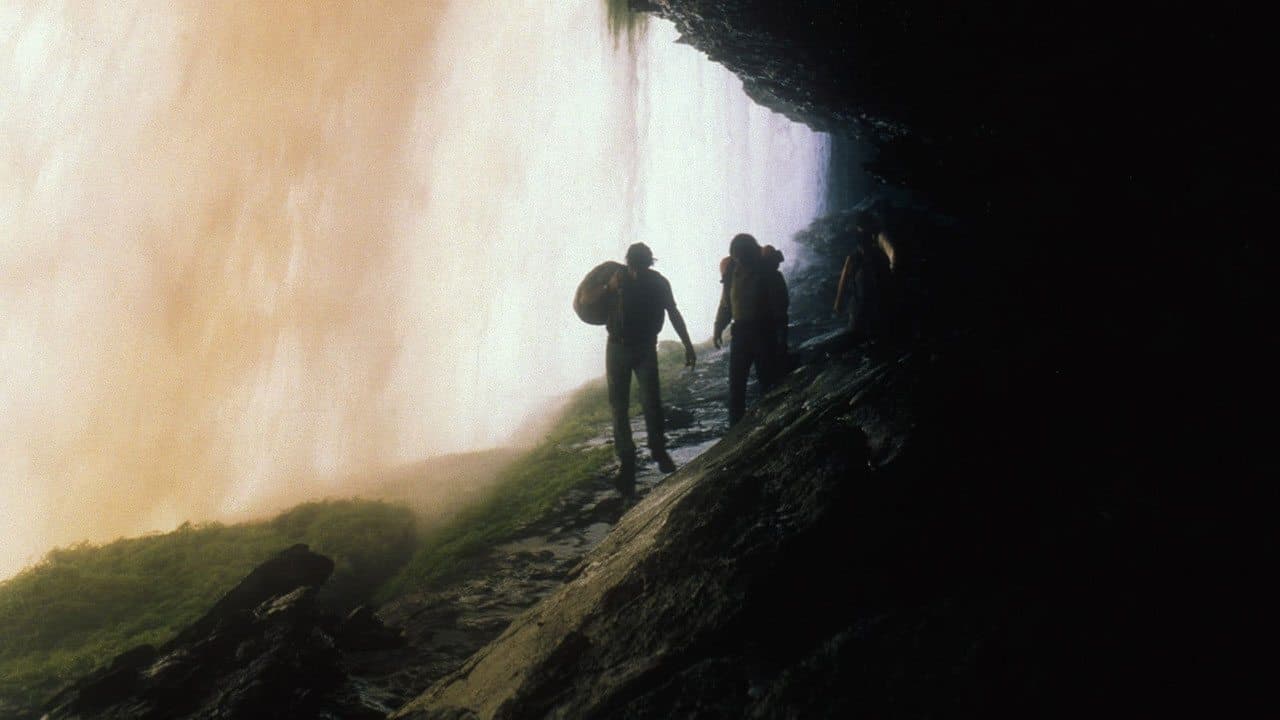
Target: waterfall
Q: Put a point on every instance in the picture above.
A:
(254, 249)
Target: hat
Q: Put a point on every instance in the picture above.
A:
(639, 255)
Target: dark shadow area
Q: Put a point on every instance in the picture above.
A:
(1085, 185)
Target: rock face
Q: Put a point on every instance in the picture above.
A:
(843, 551)
(446, 621)
(264, 650)
(1004, 85)
(1099, 164)
(1099, 159)
(872, 540)
(686, 608)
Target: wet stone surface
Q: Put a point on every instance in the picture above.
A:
(445, 625)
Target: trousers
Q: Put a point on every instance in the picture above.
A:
(621, 360)
(752, 344)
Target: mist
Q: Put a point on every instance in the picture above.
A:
(255, 249)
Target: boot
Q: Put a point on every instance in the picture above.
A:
(665, 463)
(626, 480)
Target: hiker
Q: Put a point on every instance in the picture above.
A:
(772, 258)
(754, 299)
(868, 279)
(637, 297)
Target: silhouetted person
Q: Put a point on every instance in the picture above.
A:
(772, 258)
(640, 298)
(754, 299)
(871, 283)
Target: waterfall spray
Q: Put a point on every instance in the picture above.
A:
(255, 249)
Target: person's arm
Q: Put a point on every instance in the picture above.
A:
(843, 284)
(677, 322)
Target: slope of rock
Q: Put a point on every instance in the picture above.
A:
(266, 647)
(703, 596)
(264, 650)
(881, 536)
(446, 622)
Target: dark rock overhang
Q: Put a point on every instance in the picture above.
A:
(958, 93)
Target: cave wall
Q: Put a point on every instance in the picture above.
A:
(1109, 171)
(1105, 164)
(1138, 125)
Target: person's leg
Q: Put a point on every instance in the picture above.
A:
(646, 364)
(618, 375)
(739, 368)
(768, 359)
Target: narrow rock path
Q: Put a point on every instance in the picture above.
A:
(444, 625)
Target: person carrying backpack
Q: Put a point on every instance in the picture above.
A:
(637, 297)
(779, 300)
(754, 298)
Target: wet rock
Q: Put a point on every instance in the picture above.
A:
(678, 418)
(363, 630)
(607, 510)
(458, 615)
(263, 650)
(690, 600)
(1117, 381)
(853, 547)
(294, 568)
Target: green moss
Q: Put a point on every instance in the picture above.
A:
(524, 492)
(623, 23)
(529, 488)
(85, 604)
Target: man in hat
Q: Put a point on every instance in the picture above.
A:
(640, 297)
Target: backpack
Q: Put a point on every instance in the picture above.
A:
(596, 313)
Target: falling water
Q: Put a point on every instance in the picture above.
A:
(253, 249)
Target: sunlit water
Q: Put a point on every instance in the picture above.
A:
(251, 250)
